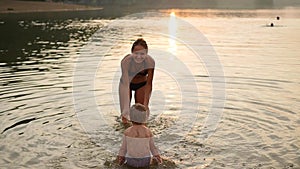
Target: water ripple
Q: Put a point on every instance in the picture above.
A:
(39, 126)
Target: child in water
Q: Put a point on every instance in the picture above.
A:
(138, 144)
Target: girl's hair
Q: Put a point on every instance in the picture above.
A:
(141, 42)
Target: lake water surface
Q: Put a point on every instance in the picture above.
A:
(232, 104)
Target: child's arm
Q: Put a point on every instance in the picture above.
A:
(158, 158)
(122, 151)
(154, 150)
(120, 160)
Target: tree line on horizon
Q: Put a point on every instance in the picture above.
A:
(174, 3)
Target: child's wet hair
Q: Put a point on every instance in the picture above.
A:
(138, 113)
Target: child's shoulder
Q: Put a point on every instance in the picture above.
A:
(147, 128)
(128, 130)
(148, 132)
(141, 131)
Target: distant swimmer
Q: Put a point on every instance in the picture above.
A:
(272, 24)
(278, 18)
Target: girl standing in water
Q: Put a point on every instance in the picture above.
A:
(137, 75)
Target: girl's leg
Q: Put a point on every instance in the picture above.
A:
(139, 95)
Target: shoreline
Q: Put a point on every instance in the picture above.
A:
(19, 6)
(15, 6)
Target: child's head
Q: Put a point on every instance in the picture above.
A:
(138, 113)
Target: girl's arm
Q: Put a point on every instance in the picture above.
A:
(124, 97)
(148, 89)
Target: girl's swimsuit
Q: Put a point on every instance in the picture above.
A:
(136, 86)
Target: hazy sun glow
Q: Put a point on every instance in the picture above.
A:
(172, 14)
(172, 33)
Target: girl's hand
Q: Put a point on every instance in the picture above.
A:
(125, 116)
(124, 120)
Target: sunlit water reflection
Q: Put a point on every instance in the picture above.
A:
(260, 122)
